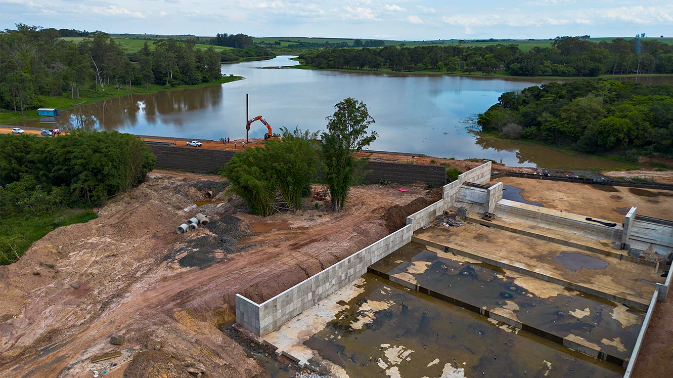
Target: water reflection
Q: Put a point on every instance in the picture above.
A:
(417, 114)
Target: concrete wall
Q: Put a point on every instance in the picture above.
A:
(494, 195)
(555, 219)
(210, 161)
(628, 223)
(266, 317)
(644, 233)
(474, 199)
(641, 335)
(276, 311)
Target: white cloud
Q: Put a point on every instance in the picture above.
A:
(163, 14)
(414, 19)
(393, 8)
(113, 10)
(640, 15)
(426, 10)
(359, 12)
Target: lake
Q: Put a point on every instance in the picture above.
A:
(417, 114)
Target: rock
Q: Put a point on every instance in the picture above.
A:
(36, 273)
(196, 370)
(154, 345)
(117, 340)
(75, 285)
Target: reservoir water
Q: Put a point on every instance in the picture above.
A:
(416, 114)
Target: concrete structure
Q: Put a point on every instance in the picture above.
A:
(559, 220)
(493, 196)
(641, 335)
(263, 318)
(628, 225)
(646, 232)
(266, 317)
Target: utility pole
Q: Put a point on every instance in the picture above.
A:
(247, 120)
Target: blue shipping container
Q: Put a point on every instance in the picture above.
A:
(47, 112)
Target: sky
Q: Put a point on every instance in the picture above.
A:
(383, 19)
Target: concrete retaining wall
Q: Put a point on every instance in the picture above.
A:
(474, 199)
(494, 195)
(210, 161)
(276, 311)
(644, 233)
(263, 318)
(628, 223)
(555, 219)
(641, 335)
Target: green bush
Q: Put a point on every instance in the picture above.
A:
(281, 170)
(452, 174)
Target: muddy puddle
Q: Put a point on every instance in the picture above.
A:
(546, 309)
(578, 261)
(391, 331)
(513, 193)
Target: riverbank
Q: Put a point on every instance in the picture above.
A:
(88, 97)
(498, 75)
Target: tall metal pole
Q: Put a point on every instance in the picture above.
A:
(247, 120)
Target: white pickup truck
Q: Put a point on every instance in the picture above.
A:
(194, 143)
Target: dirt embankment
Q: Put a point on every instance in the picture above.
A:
(128, 273)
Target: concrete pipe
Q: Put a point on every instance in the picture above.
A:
(193, 226)
(208, 194)
(193, 220)
(182, 228)
(203, 220)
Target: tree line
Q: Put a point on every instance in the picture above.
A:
(238, 41)
(589, 115)
(35, 62)
(565, 57)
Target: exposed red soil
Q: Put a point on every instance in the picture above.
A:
(116, 275)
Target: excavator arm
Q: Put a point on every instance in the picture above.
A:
(270, 134)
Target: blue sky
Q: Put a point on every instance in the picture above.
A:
(389, 19)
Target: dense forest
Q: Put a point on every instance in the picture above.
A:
(36, 62)
(570, 56)
(43, 179)
(588, 115)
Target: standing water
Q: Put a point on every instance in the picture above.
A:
(415, 114)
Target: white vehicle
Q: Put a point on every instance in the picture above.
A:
(194, 143)
(17, 130)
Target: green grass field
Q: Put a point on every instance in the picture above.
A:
(18, 233)
(131, 45)
(524, 45)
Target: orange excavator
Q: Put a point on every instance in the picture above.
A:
(268, 136)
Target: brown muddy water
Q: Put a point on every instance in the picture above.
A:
(414, 114)
(392, 331)
(547, 309)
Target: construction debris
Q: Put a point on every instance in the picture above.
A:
(106, 356)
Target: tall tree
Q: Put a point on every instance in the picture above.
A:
(346, 133)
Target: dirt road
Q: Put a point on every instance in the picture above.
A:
(128, 273)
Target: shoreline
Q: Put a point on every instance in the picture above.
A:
(64, 103)
(479, 75)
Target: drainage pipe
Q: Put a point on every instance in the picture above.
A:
(203, 220)
(182, 228)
